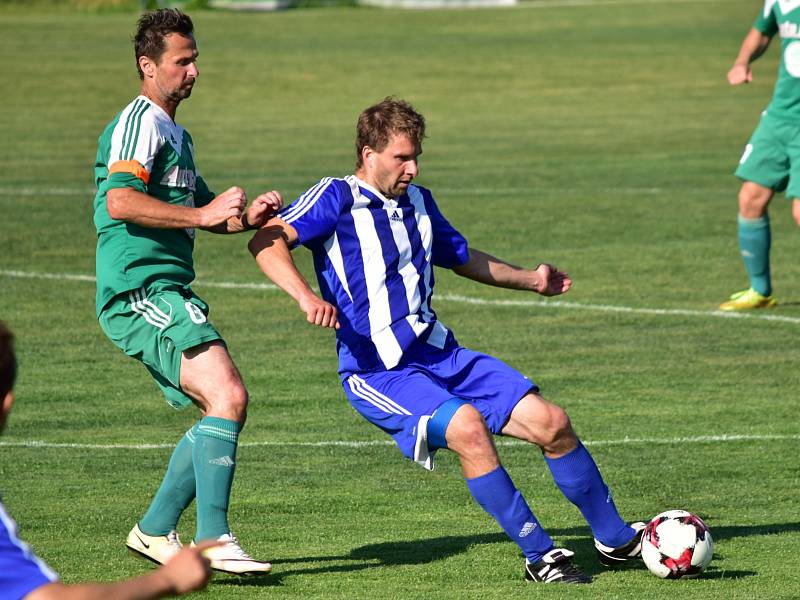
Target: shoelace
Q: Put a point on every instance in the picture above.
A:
(232, 544)
(568, 570)
(173, 540)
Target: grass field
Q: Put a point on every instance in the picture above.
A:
(600, 136)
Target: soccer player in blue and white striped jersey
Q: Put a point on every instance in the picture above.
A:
(375, 239)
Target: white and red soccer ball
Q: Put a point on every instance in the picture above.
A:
(676, 544)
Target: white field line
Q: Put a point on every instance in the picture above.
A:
(555, 304)
(626, 441)
(601, 3)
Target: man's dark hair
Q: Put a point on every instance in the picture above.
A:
(8, 362)
(153, 27)
(391, 116)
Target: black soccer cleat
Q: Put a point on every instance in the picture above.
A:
(555, 567)
(615, 557)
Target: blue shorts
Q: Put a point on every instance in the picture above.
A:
(401, 401)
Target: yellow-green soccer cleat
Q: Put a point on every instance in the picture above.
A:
(749, 299)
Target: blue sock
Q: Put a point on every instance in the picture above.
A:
(498, 496)
(579, 479)
(176, 490)
(755, 240)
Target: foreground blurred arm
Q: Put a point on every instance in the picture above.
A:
(186, 572)
(545, 279)
(270, 247)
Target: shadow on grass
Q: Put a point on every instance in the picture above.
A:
(416, 552)
(370, 556)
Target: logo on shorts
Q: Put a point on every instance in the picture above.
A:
(222, 461)
(527, 529)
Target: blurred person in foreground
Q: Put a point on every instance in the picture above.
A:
(150, 199)
(771, 159)
(375, 238)
(25, 575)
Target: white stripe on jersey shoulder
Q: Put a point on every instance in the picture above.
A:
(11, 528)
(124, 129)
(768, 4)
(304, 203)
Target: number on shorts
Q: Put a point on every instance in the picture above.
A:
(195, 314)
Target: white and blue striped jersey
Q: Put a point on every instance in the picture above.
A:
(21, 571)
(374, 260)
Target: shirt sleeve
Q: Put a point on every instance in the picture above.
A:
(202, 195)
(766, 22)
(315, 213)
(450, 248)
(135, 142)
(21, 571)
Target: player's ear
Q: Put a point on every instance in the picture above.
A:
(147, 65)
(367, 155)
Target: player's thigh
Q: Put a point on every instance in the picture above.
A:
(210, 377)
(493, 387)
(793, 151)
(765, 160)
(155, 326)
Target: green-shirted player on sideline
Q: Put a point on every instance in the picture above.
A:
(150, 199)
(771, 159)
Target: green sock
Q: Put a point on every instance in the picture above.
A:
(176, 491)
(214, 459)
(754, 245)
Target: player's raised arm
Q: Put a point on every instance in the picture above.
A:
(133, 206)
(259, 212)
(753, 46)
(270, 247)
(545, 279)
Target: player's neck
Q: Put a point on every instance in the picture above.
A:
(169, 106)
(364, 176)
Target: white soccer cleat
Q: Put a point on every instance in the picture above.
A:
(230, 558)
(158, 548)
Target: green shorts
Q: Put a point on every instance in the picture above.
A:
(155, 325)
(772, 156)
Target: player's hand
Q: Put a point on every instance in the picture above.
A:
(319, 312)
(263, 208)
(551, 281)
(189, 570)
(226, 205)
(740, 74)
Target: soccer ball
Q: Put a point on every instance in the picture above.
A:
(676, 544)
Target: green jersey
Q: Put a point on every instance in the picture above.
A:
(143, 149)
(783, 16)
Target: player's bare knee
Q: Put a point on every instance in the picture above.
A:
(468, 434)
(753, 202)
(229, 402)
(557, 432)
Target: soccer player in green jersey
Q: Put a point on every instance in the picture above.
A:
(771, 159)
(150, 199)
